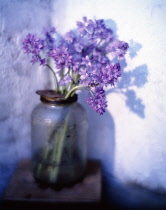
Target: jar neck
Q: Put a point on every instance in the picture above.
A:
(53, 98)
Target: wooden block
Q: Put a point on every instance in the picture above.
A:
(23, 187)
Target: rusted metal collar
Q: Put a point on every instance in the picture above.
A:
(52, 97)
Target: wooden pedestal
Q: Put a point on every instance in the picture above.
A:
(23, 190)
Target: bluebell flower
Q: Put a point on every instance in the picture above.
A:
(85, 56)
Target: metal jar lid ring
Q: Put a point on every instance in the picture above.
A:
(53, 97)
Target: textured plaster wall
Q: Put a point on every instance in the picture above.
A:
(18, 79)
(130, 138)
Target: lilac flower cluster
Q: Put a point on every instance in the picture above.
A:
(83, 58)
(98, 101)
(61, 57)
(33, 45)
(49, 40)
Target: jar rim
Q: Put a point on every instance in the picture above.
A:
(55, 98)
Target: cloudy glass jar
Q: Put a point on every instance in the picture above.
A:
(58, 135)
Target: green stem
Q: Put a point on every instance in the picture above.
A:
(58, 148)
(55, 78)
(39, 167)
(73, 90)
(57, 136)
(76, 78)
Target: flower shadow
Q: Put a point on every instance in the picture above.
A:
(130, 80)
(134, 48)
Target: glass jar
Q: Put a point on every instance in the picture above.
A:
(58, 135)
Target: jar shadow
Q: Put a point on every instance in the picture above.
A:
(101, 142)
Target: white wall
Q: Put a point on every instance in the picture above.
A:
(130, 137)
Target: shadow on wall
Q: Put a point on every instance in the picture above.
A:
(101, 136)
(134, 78)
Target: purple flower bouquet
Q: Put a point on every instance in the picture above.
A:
(85, 58)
